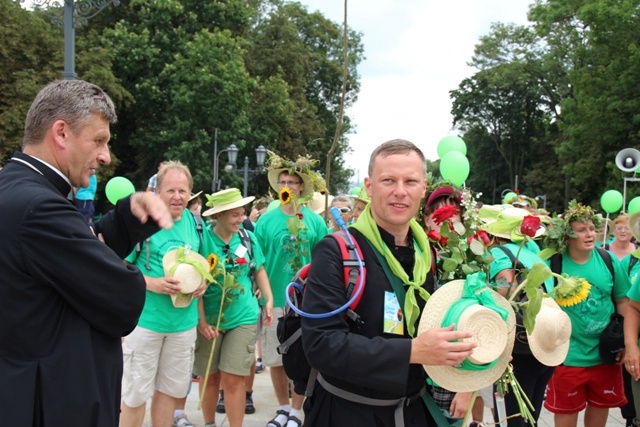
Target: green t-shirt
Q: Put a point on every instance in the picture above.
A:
(501, 261)
(159, 314)
(243, 308)
(272, 234)
(591, 316)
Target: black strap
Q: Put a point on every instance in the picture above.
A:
(556, 265)
(246, 242)
(515, 264)
(632, 262)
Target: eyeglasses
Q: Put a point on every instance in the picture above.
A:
(344, 209)
(289, 183)
(226, 249)
(623, 228)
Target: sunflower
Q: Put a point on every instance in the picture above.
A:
(213, 262)
(571, 291)
(285, 195)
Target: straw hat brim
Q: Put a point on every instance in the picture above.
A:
(452, 378)
(195, 195)
(317, 204)
(221, 208)
(634, 225)
(190, 278)
(545, 356)
(274, 174)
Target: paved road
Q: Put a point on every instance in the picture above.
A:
(265, 403)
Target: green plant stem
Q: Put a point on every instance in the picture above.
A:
(468, 414)
(518, 290)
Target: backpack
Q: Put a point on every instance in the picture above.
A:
(289, 329)
(246, 242)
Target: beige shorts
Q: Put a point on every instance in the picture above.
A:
(156, 361)
(234, 352)
(487, 396)
(270, 343)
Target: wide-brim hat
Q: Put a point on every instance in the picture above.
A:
(225, 200)
(193, 196)
(274, 176)
(634, 225)
(189, 276)
(361, 196)
(317, 202)
(494, 336)
(549, 340)
(506, 223)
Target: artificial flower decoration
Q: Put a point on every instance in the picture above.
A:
(241, 261)
(530, 225)
(285, 196)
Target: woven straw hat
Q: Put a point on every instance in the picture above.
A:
(274, 177)
(494, 338)
(549, 341)
(316, 204)
(190, 277)
(634, 225)
(225, 200)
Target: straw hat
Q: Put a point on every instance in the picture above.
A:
(634, 225)
(361, 196)
(549, 340)
(493, 335)
(506, 222)
(190, 277)
(225, 200)
(316, 203)
(274, 177)
(193, 196)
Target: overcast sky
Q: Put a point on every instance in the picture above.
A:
(417, 51)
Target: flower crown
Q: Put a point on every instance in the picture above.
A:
(303, 165)
(560, 228)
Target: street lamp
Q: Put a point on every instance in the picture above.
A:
(71, 17)
(543, 197)
(233, 155)
(261, 154)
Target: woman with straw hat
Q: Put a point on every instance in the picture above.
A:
(533, 363)
(229, 315)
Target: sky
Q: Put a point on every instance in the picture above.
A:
(416, 52)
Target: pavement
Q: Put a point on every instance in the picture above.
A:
(266, 405)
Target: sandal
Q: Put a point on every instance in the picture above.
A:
(274, 423)
(295, 420)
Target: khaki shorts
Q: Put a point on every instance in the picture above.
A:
(270, 343)
(234, 352)
(156, 361)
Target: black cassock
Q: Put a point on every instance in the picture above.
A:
(66, 299)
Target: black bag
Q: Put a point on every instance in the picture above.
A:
(612, 339)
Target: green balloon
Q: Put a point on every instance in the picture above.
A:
(451, 143)
(510, 195)
(355, 191)
(634, 205)
(611, 201)
(454, 167)
(118, 188)
(274, 204)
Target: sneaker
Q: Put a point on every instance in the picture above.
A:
(248, 406)
(259, 366)
(182, 421)
(220, 407)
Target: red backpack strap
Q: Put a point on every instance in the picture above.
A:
(351, 267)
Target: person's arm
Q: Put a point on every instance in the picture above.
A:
(132, 220)
(262, 280)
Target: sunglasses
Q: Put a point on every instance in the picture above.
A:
(344, 210)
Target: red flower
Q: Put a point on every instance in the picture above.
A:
(436, 237)
(300, 216)
(444, 213)
(483, 236)
(241, 261)
(530, 224)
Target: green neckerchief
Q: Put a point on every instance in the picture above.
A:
(475, 291)
(181, 258)
(368, 227)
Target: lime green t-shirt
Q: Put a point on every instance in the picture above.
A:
(591, 316)
(159, 314)
(243, 308)
(272, 234)
(502, 262)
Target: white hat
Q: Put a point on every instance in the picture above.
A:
(549, 340)
(506, 222)
(317, 203)
(493, 335)
(190, 277)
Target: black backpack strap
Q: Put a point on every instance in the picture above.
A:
(246, 242)
(515, 263)
(198, 220)
(632, 262)
(606, 257)
(555, 263)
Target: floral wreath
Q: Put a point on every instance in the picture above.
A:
(559, 228)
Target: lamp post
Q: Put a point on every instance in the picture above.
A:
(543, 197)
(233, 155)
(70, 17)
(261, 154)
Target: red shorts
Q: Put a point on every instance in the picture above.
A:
(570, 389)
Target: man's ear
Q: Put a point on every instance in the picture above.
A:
(60, 132)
